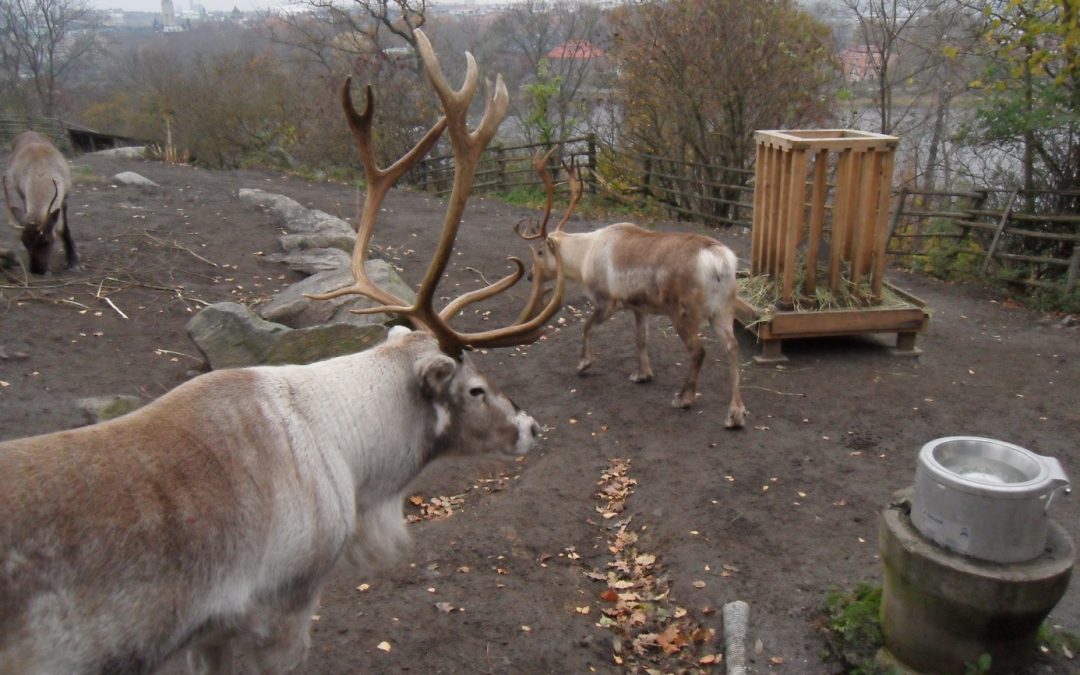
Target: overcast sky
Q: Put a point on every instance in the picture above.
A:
(215, 5)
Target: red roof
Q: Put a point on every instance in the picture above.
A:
(579, 49)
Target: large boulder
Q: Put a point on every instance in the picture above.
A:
(230, 335)
(312, 260)
(292, 308)
(296, 218)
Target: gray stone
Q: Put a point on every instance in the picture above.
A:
(102, 408)
(306, 241)
(130, 152)
(230, 335)
(292, 308)
(296, 218)
(132, 178)
(312, 260)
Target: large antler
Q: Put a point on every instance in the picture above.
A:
(574, 179)
(467, 148)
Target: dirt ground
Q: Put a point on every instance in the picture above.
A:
(513, 581)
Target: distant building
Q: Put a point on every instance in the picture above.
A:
(575, 49)
(860, 64)
(168, 12)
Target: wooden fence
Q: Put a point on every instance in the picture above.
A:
(505, 169)
(54, 129)
(1027, 238)
(1015, 236)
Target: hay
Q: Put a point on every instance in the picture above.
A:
(764, 292)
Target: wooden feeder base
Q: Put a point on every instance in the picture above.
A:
(906, 322)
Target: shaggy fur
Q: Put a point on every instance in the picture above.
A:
(209, 518)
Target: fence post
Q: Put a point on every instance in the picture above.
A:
(1074, 269)
(1000, 228)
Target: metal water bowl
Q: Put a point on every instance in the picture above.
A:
(985, 498)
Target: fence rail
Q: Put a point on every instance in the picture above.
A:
(1036, 246)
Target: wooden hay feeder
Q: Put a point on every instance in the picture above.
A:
(821, 215)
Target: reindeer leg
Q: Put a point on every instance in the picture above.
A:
(70, 253)
(287, 645)
(644, 372)
(604, 309)
(211, 658)
(686, 323)
(724, 324)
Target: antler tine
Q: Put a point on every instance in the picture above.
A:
(576, 188)
(540, 166)
(467, 148)
(379, 182)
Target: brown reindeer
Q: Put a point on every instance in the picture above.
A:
(208, 520)
(688, 277)
(36, 187)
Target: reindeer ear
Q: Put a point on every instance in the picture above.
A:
(435, 372)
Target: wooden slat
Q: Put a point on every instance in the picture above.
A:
(862, 226)
(882, 228)
(840, 225)
(799, 165)
(818, 193)
(776, 174)
(757, 229)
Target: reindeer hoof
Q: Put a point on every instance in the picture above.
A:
(736, 418)
(683, 401)
(583, 365)
(640, 378)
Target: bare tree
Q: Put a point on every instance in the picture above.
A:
(42, 43)
(555, 46)
(917, 55)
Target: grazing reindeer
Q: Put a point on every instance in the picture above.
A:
(688, 277)
(41, 180)
(209, 519)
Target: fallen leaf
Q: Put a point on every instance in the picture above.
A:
(671, 640)
(698, 584)
(582, 610)
(777, 660)
(525, 629)
(609, 596)
(364, 588)
(385, 646)
(444, 607)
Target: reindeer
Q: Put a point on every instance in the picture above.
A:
(688, 277)
(41, 180)
(208, 520)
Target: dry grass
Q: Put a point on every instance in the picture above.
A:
(764, 292)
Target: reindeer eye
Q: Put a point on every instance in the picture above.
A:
(476, 392)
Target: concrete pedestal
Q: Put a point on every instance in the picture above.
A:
(941, 611)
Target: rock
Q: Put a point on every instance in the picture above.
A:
(296, 218)
(230, 335)
(130, 152)
(1069, 321)
(306, 241)
(132, 178)
(101, 408)
(292, 308)
(312, 260)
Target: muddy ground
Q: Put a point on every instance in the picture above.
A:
(514, 580)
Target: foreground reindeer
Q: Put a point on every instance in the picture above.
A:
(688, 277)
(40, 179)
(209, 519)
